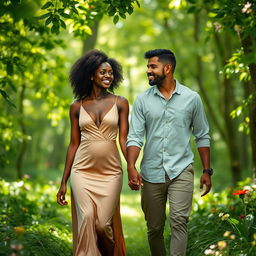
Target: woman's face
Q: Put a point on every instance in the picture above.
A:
(103, 76)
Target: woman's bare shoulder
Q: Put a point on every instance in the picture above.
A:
(121, 99)
(75, 105)
(122, 102)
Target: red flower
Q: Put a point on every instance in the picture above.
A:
(242, 216)
(240, 192)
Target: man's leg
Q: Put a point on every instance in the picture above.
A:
(153, 203)
(180, 193)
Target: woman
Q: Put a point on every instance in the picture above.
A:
(93, 162)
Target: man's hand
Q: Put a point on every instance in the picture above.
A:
(135, 179)
(205, 180)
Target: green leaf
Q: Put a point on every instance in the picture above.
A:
(65, 15)
(6, 97)
(122, 15)
(55, 29)
(74, 10)
(219, 15)
(55, 21)
(63, 24)
(138, 3)
(192, 9)
(12, 86)
(112, 11)
(46, 5)
(215, 10)
(234, 221)
(9, 68)
(44, 16)
(48, 21)
(130, 10)
(82, 8)
(16, 59)
(116, 19)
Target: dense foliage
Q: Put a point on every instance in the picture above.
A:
(224, 223)
(31, 222)
(34, 62)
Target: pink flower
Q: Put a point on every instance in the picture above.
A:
(26, 176)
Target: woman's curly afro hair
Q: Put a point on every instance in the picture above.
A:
(84, 69)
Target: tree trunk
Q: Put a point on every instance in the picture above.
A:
(227, 97)
(229, 104)
(90, 41)
(199, 79)
(247, 44)
(130, 87)
(23, 145)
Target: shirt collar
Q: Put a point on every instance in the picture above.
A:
(177, 89)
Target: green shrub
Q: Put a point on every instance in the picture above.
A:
(224, 224)
(31, 221)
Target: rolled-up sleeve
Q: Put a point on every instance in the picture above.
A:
(137, 125)
(200, 124)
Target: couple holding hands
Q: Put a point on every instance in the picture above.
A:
(166, 115)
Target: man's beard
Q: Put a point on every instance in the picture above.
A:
(158, 80)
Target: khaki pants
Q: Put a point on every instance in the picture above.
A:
(153, 202)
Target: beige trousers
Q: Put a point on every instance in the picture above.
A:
(179, 192)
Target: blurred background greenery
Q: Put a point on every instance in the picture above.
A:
(214, 43)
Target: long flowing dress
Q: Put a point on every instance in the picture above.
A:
(96, 182)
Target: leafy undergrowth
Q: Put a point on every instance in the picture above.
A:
(31, 222)
(224, 223)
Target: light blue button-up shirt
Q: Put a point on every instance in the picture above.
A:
(167, 126)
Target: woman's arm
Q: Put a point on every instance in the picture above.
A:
(72, 148)
(123, 107)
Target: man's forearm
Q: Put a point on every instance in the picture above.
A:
(204, 153)
(132, 156)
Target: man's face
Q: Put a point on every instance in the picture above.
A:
(155, 71)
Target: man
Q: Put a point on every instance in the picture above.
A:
(167, 114)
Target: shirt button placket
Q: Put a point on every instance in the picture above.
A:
(165, 129)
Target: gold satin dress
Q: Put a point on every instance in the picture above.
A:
(96, 182)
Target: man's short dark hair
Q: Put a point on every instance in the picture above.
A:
(164, 55)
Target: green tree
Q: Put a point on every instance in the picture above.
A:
(237, 18)
(32, 63)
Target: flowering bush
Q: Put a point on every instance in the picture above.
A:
(223, 223)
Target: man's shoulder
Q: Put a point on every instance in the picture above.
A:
(145, 94)
(187, 91)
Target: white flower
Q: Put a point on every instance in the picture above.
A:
(247, 8)
(217, 26)
(209, 252)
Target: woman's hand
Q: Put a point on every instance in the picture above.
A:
(61, 195)
(135, 179)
